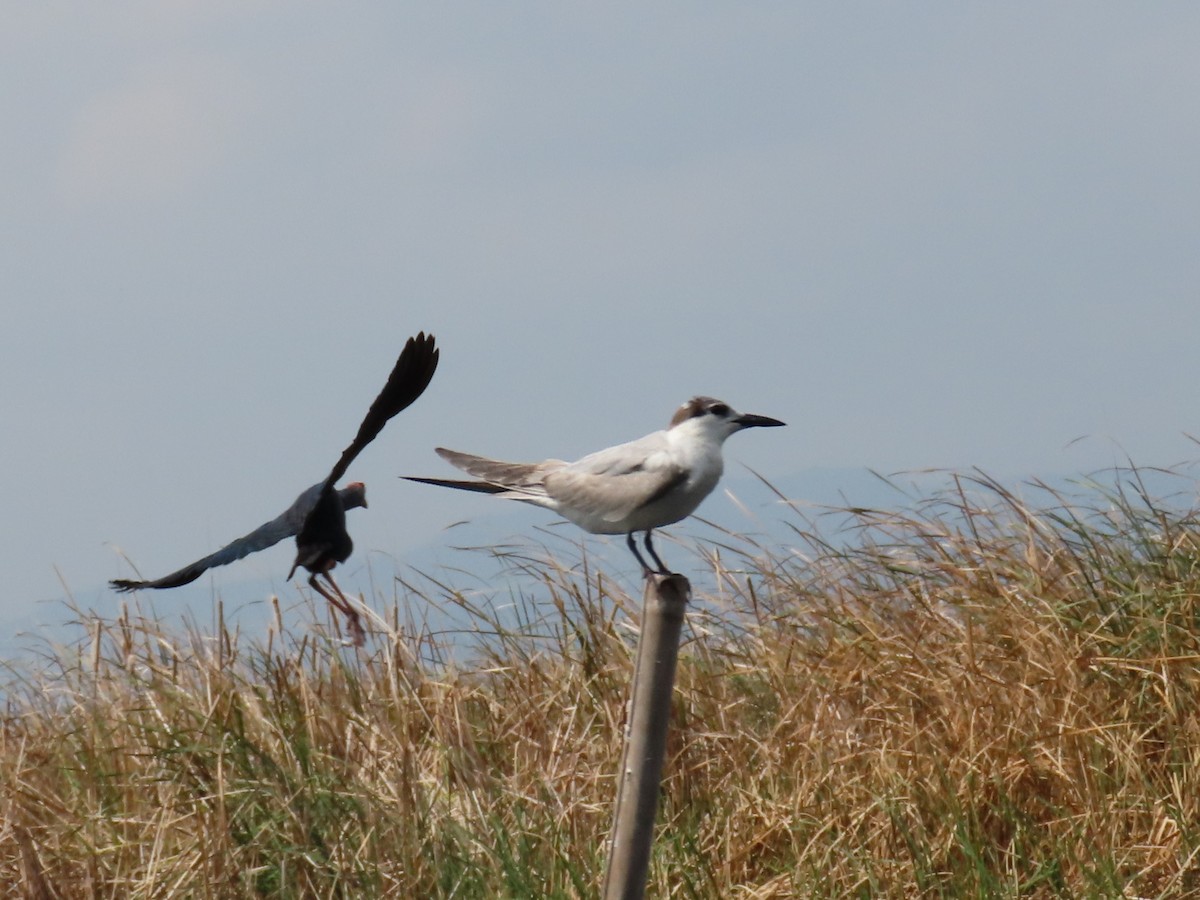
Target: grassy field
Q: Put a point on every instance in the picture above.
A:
(976, 696)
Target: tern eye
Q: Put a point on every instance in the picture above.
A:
(719, 409)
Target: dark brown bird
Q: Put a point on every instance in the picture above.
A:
(323, 541)
(286, 525)
(317, 518)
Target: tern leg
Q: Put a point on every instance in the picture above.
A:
(340, 603)
(632, 544)
(662, 569)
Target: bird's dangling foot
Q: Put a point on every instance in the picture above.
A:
(358, 637)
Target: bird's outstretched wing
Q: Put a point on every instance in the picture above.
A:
(286, 525)
(410, 376)
(322, 540)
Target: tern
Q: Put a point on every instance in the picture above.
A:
(317, 518)
(636, 487)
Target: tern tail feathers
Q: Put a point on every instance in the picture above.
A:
(481, 487)
(497, 472)
(409, 378)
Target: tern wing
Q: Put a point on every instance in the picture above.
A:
(410, 376)
(614, 494)
(266, 535)
(646, 452)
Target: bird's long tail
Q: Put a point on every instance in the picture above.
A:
(479, 487)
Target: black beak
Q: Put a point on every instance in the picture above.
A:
(750, 420)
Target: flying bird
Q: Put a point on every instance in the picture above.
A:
(286, 525)
(636, 487)
(323, 541)
(317, 519)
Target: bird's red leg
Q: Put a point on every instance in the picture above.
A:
(340, 603)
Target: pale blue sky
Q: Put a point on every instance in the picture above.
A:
(923, 235)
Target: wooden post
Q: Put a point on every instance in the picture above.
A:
(648, 717)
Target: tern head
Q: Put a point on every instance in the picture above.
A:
(715, 419)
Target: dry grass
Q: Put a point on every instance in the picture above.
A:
(970, 699)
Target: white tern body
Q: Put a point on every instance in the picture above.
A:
(644, 484)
